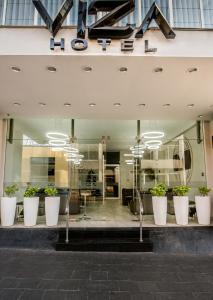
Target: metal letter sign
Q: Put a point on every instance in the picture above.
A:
(103, 28)
(54, 25)
(155, 14)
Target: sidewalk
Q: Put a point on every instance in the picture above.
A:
(32, 275)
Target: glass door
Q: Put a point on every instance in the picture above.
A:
(112, 181)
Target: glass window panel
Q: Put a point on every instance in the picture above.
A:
(186, 13)
(19, 12)
(1, 10)
(208, 13)
(52, 7)
(163, 5)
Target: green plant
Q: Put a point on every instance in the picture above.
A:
(181, 190)
(50, 191)
(159, 190)
(203, 190)
(31, 191)
(10, 190)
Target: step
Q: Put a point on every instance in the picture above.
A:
(100, 233)
(105, 245)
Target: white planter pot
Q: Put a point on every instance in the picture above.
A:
(30, 210)
(52, 205)
(203, 208)
(160, 209)
(181, 205)
(8, 210)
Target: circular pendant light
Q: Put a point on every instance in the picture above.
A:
(153, 135)
(70, 149)
(153, 143)
(56, 143)
(153, 147)
(137, 147)
(57, 149)
(57, 136)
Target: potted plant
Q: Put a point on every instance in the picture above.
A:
(52, 204)
(8, 205)
(203, 206)
(181, 204)
(31, 203)
(159, 203)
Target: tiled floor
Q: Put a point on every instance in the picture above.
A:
(109, 214)
(49, 275)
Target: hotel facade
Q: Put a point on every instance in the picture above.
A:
(101, 99)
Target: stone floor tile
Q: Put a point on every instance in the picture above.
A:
(99, 275)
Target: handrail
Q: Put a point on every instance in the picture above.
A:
(141, 210)
(67, 216)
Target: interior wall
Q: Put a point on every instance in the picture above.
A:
(3, 133)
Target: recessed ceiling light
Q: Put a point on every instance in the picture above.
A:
(191, 70)
(142, 104)
(117, 104)
(51, 69)
(158, 70)
(190, 105)
(15, 69)
(92, 104)
(123, 69)
(16, 103)
(166, 105)
(200, 116)
(87, 69)
(42, 104)
(67, 104)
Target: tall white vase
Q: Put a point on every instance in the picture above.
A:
(30, 210)
(8, 210)
(181, 205)
(160, 209)
(52, 205)
(203, 208)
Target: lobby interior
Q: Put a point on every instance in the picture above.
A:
(107, 173)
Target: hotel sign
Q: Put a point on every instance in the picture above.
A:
(103, 30)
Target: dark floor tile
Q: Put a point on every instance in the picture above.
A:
(144, 296)
(185, 287)
(76, 296)
(120, 296)
(81, 274)
(11, 294)
(99, 275)
(32, 295)
(27, 283)
(54, 295)
(203, 296)
(70, 285)
(97, 295)
(9, 283)
(174, 296)
(100, 285)
(48, 284)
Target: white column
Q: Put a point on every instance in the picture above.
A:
(3, 133)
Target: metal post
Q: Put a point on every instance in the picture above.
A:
(67, 219)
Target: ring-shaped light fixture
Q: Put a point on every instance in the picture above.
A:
(137, 147)
(154, 147)
(70, 149)
(153, 142)
(138, 155)
(137, 151)
(57, 149)
(57, 136)
(70, 154)
(153, 135)
(56, 143)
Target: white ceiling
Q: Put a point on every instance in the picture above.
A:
(105, 85)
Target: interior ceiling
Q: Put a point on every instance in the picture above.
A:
(121, 133)
(106, 85)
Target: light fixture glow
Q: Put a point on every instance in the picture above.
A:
(128, 154)
(51, 69)
(190, 105)
(92, 104)
(42, 104)
(67, 104)
(136, 147)
(123, 69)
(70, 149)
(167, 105)
(57, 142)
(16, 69)
(57, 136)
(153, 143)
(117, 104)
(17, 104)
(142, 104)
(87, 69)
(153, 147)
(153, 135)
